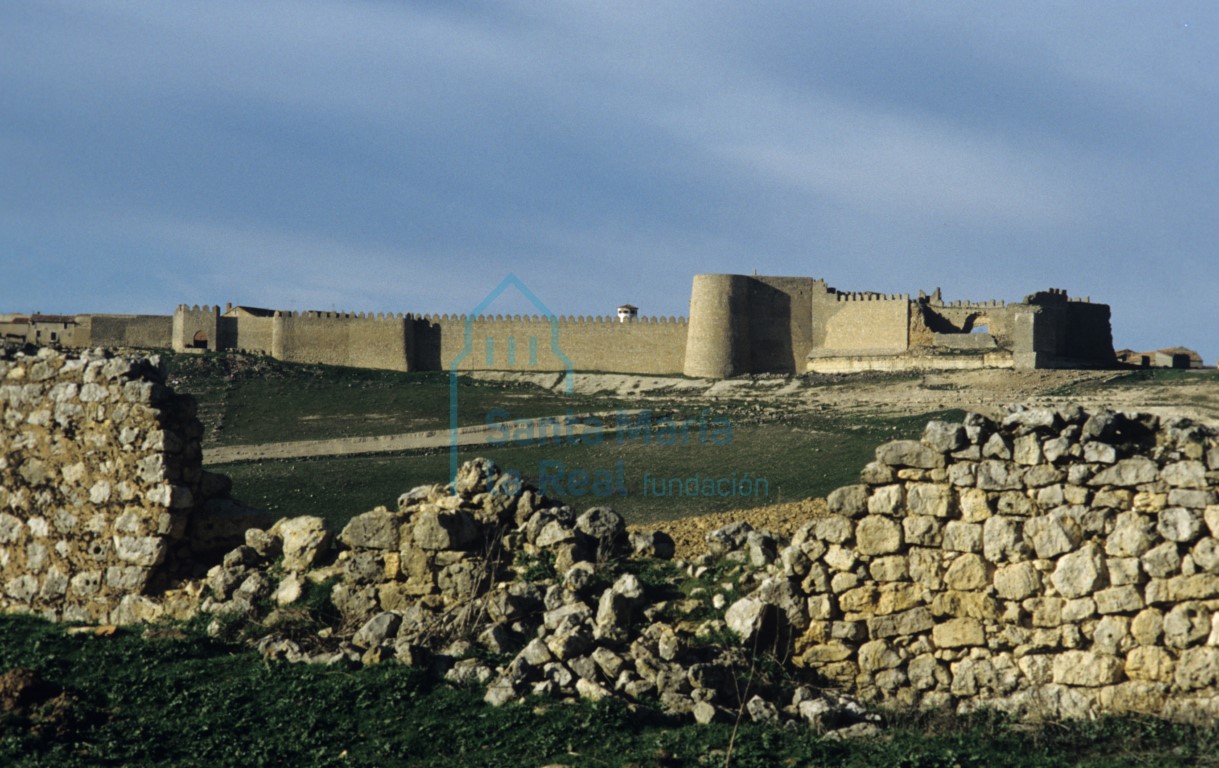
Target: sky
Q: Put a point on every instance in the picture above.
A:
(399, 156)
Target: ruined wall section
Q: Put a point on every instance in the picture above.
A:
(99, 469)
(860, 323)
(647, 345)
(1054, 564)
(1051, 330)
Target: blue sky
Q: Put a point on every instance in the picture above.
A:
(405, 156)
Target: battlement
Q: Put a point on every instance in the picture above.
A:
(607, 320)
(871, 296)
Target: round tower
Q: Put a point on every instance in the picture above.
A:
(717, 339)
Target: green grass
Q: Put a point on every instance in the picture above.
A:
(246, 399)
(179, 698)
(798, 460)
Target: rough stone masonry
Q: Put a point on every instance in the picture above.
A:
(1054, 562)
(102, 493)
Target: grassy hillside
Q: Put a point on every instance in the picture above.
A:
(172, 696)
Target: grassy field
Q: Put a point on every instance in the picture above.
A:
(795, 461)
(172, 696)
(245, 399)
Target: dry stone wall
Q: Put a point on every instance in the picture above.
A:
(1057, 563)
(100, 482)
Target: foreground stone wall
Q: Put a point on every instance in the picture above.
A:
(1058, 562)
(100, 472)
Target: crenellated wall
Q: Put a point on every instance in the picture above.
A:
(649, 345)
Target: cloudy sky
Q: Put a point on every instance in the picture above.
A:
(406, 156)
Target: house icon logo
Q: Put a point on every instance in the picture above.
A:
(503, 351)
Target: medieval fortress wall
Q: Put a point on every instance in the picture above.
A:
(738, 325)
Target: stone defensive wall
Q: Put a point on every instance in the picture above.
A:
(750, 324)
(851, 323)
(647, 345)
(127, 331)
(102, 492)
(1056, 563)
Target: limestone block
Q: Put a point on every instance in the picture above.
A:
(1199, 586)
(876, 473)
(909, 453)
(924, 531)
(1185, 474)
(1206, 554)
(1002, 539)
(996, 475)
(1080, 573)
(1087, 669)
(1185, 625)
(903, 624)
(943, 436)
(1026, 450)
(1194, 499)
(932, 499)
(974, 605)
(1017, 581)
(827, 653)
(304, 539)
(1131, 536)
(926, 567)
(958, 633)
(974, 504)
(877, 535)
(834, 529)
(1127, 473)
(1211, 515)
(446, 530)
(963, 474)
(1124, 599)
(141, 550)
(890, 568)
(377, 529)
(849, 500)
(1150, 663)
(996, 447)
(1099, 453)
(1053, 534)
(968, 572)
(973, 676)
(886, 500)
(1162, 561)
(1147, 627)
(877, 655)
(1043, 475)
(1197, 668)
(962, 537)
(1124, 570)
(1179, 524)
(1055, 448)
(380, 628)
